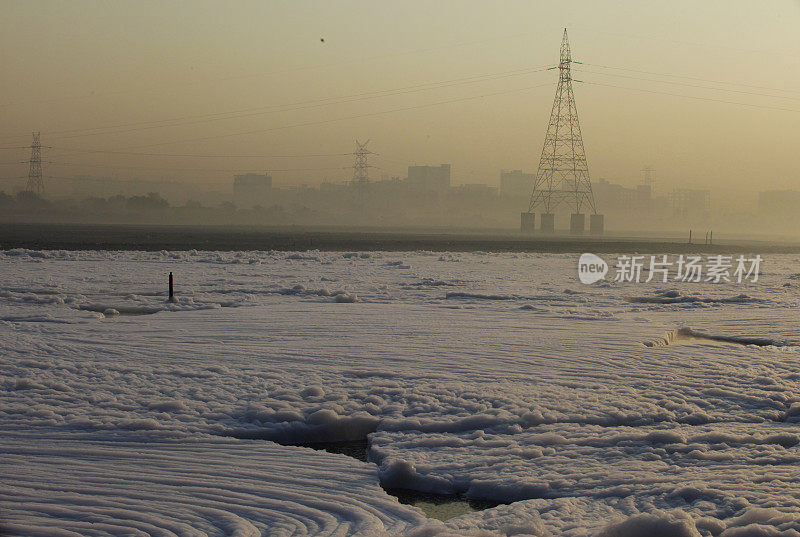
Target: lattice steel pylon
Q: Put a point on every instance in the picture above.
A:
(563, 174)
(35, 183)
(360, 166)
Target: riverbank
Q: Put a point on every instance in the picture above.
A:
(154, 238)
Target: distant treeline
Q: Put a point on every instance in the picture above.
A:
(151, 208)
(27, 201)
(316, 209)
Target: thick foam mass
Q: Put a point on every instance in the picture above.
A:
(492, 376)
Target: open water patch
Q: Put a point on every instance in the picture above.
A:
(356, 449)
(438, 506)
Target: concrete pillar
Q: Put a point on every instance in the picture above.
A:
(548, 223)
(527, 222)
(577, 223)
(596, 224)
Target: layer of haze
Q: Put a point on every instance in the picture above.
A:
(427, 82)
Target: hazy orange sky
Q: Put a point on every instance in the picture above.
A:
(708, 93)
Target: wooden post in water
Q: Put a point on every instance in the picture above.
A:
(690, 236)
(171, 295)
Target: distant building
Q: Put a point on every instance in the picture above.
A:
(475, 190)
(617, 198)
(251, 189)
(779, 202)
(515, 184)
(690, 203)
(429, 177)
(642, 196)
(612, 197)
(779, 206)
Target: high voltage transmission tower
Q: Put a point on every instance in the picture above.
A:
(563, 174)
(360, 183)
(35, 183)
(360, 166)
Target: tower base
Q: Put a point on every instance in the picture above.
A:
(577, 223)
(596, 224)
(527, 222)
(548, 223)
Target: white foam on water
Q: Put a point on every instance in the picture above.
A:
(531, 390)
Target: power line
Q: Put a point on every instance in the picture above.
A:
(300, 105)
(159, 168)
(357, 116)
(396, 161)
(427, 105)
(279, 72)
(692, 78)
(187, 120)
(695, 97)
(291, 107)
(194, 155)
(684, 84)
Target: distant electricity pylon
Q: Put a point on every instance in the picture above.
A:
(35, 183)
(360, 166)
(563, 174)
